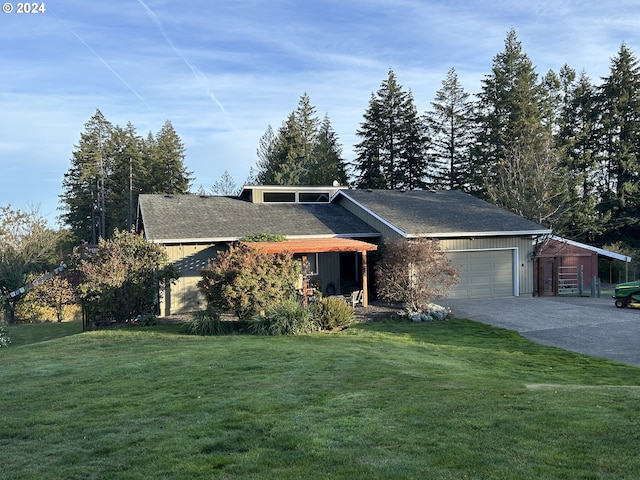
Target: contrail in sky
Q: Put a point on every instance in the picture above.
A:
(111, 69)
(104, 62)
(196, 73)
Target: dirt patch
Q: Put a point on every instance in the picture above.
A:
(376, 312)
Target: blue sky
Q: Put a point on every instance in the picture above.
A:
(223, 70)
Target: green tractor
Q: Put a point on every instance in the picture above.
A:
(627, 295)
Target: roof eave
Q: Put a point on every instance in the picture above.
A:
(177, 241)
(513, 233)
(599, 251)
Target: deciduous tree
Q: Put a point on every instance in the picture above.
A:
(414, 272)
(225, 185)
(27, 247)
(124, 278)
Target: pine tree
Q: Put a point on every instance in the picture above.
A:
(266, 157)
(450, 124)
(392, 153)
(516, 162)
(509, 112)
(303, 152)
(110, 167)
(290, 150)
(413, 162)
(619, 172)
(225, 185)
(577, 141)
(327, 163)
(307, 123)
(169, 173)
(84, 200)
(125, 179)
(369, 162)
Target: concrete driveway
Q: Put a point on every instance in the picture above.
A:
(593, 326)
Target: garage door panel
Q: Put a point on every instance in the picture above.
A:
(483, 273)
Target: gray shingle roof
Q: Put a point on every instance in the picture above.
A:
(217, 218)
(441, 214)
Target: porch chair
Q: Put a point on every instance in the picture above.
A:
(356, 298)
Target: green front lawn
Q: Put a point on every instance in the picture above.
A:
(446, 400)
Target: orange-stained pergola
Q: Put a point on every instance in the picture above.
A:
(322, 245)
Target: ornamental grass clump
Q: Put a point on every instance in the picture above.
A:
(288, 318)
(332, 312)
(208, 322)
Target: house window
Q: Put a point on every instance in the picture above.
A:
(281, 197)
(313, 197)
(312, 263)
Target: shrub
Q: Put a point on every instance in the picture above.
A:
(264, 237)
(207, 322)
(147, 319)
(123, 278)
(289, 318)
(430, 313)
(414, 272)
(247, 281)
(4, 339)
(332, 312)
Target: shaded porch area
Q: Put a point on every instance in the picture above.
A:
(309, 248)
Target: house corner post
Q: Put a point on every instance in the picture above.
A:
(365, 280)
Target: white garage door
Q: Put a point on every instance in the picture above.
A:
(482, 274)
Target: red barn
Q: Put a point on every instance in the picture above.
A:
(567, 267)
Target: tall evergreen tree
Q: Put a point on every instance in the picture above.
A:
(619, 171)
(516, 160)
(392, 152)
(290, 150)
(327, 164)
(413, 162)
(577, 140)
(126, 177)
(170, 174)
(307, 123)
(450, 125)
(84, 199)
(110, 166)
(509, 111)
(304, 151)
(369, 162)
(225, 185)
(266, 157)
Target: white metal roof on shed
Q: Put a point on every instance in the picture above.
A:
(599, 251)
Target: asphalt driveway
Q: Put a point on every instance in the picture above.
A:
(593, 326)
